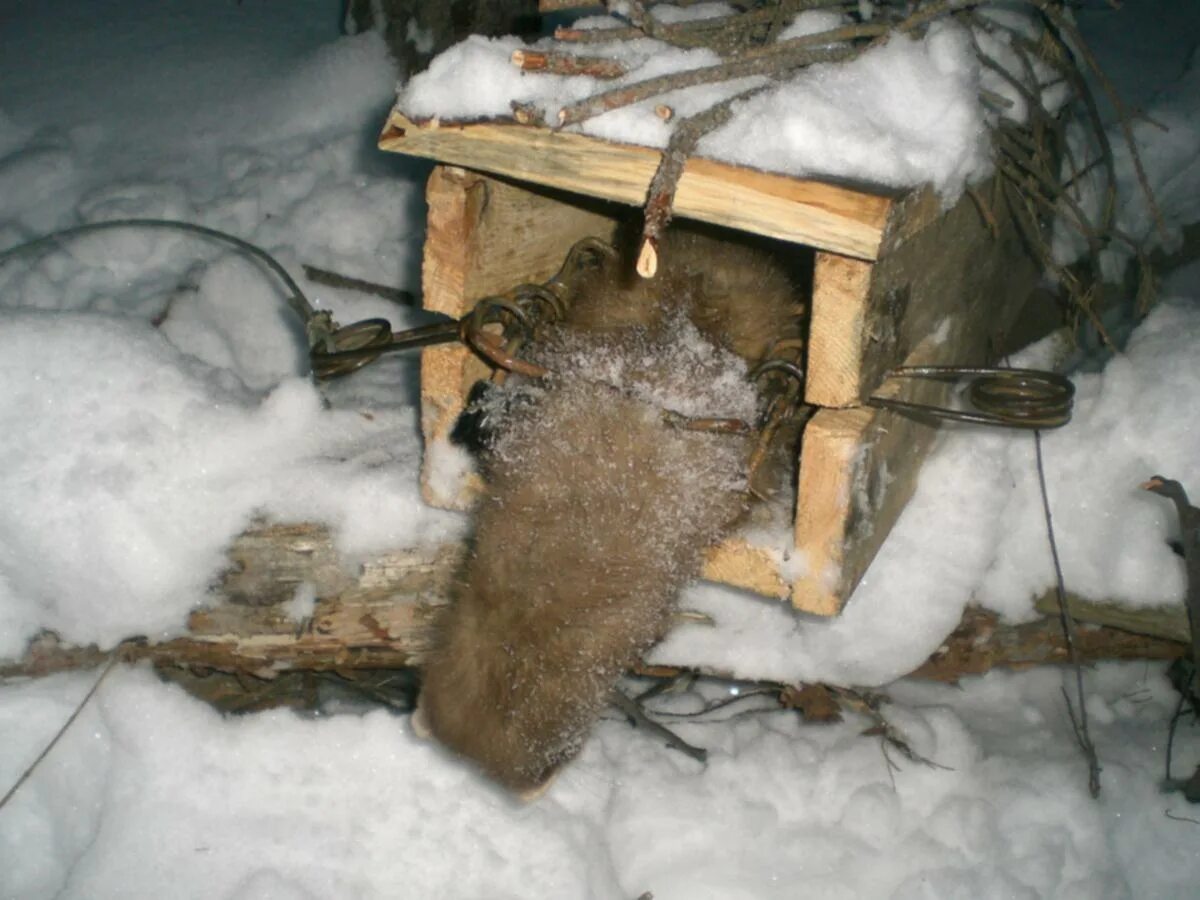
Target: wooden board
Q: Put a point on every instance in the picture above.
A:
(484, 237)
(858, 468)
(935, 268)
(830, 217)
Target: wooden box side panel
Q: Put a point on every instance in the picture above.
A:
(484, 236)
(934, 269)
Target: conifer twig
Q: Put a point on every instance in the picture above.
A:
(660, 199)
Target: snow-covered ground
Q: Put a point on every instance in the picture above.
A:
(153, 399)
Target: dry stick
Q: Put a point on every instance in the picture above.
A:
(1057, 192)
(1084, 93)
(1051, 192)
(634, 711)
(334, 279)
(660, 199)
(1023, 47)
(1114, 98)
(545, 6)
(1080, 724)
(782, 58)
(637, 14)
(557, 63)
(1082, 295)
(1033, 102)
(934, 10)
(985, 211)
(696, 32)
(113, 657)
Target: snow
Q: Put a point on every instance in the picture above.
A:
(902, 114)
(153, 402)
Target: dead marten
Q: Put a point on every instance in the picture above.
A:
(599, 505)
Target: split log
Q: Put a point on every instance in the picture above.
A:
(982, 642)
(377, 616)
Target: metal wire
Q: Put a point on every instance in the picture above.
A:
(333, 350)
(296, 297)
(364, 342)
(1009, 398)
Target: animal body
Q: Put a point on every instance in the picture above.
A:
(598, 505)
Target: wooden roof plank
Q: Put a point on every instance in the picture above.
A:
(826, 216)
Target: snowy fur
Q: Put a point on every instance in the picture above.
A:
(598, 510)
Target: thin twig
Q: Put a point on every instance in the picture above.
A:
(723, 34)
(1123, 118)
(113, 657)
(1170, 815)
(1080, 722)
(638, 717)
(776, 63)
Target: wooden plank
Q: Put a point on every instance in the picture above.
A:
(483, 237)
(859, 468)
(936, 274)
(826, 216)
(739, 563)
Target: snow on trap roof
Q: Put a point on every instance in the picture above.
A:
(904, 113)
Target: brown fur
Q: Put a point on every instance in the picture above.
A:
(596, 515)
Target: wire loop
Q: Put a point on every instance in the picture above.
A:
(1009, 398)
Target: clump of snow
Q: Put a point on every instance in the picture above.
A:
(303, 602)
(156, 396)
(901, 114)
(812, 21)
(672, 15)
(447, 467)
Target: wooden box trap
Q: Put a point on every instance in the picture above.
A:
(896, 280)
